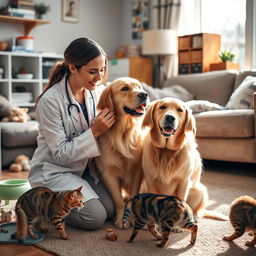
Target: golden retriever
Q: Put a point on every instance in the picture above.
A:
(171, 162)
(120, 162)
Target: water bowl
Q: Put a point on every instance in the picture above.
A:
(13, 189)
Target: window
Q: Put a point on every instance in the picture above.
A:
(226, 18)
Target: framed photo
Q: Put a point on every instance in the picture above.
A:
(70, 11)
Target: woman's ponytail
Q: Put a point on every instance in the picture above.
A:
(56, 75)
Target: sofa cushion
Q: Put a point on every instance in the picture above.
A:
(5, 107)
(242, 75)
(216, 86)
(225, 123)
(242, 97)
(175, 91)
(198, 106)
(19, 134)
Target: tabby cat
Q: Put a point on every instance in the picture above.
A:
(42, 203)
(166, 211)
(243, 218)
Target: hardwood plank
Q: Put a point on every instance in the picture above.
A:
(17, 249)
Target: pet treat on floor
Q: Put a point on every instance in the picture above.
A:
(166, 211)
(243, 218)
(110, 235)
(43, 202)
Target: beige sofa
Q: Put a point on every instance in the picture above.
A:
(227, 135)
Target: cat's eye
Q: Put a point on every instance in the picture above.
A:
(179, 109)
(125, 88)
(162, 107)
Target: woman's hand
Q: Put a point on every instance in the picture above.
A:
(103, 121)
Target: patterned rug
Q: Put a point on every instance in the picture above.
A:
(224, 181)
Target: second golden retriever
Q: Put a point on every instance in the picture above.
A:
(121, 146)
(171, 162)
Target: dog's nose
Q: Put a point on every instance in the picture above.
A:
(169, 118)
(143, 95)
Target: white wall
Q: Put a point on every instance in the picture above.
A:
(101, 20)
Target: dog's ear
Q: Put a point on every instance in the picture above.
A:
(190, 123)
(148, 119)
(106, 99)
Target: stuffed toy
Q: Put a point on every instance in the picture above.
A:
(7, 216)
(17, 115)
(22, 163)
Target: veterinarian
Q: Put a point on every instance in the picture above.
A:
(68, 130)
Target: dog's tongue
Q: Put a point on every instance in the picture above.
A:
(167, 130)
(140, 108)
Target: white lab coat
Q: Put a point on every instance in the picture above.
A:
(65, 143)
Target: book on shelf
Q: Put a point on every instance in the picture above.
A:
(23, 13)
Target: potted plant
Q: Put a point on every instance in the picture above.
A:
(226, 56)
(226, 63)
(41, 9)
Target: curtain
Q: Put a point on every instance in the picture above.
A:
(166, 15)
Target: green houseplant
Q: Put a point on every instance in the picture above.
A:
(226, 62)
(226, 56)
(41, 9)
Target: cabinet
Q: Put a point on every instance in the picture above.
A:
(23, 92)
(29, 24)
(197, 51)
(136, 67)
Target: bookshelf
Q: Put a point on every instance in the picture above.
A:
(197, 51)
(34, 63)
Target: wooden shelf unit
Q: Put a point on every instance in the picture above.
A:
(197, 51)
(29, 24)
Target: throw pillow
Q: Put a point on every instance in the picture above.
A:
(5, 107)
(198, 106)
(242, 97)
(175, 91)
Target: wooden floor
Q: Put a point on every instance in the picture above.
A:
(15, 249)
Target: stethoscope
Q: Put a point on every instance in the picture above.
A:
(74, 105)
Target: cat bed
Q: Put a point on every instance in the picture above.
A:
(5, 238)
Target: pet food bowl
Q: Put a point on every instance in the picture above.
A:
(13, 189)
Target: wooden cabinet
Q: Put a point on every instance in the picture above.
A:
(136, 67)
(29, 24)
(197, 51)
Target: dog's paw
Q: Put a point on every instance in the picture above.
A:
(119, 224)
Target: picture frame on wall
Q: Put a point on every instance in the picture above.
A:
(70, 11)
(140, 17)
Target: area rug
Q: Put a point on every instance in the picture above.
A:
(224, 183)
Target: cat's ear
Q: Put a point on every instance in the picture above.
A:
(79, 189)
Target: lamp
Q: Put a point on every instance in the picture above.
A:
(159, 42)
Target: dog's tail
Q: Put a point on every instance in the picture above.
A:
(214, 215)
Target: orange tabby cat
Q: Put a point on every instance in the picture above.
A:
(243, 218)
(42, 203)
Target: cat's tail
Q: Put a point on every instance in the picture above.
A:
(127, 213)
(214, 215)
(22, 224)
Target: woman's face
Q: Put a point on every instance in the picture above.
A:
(91, 74)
